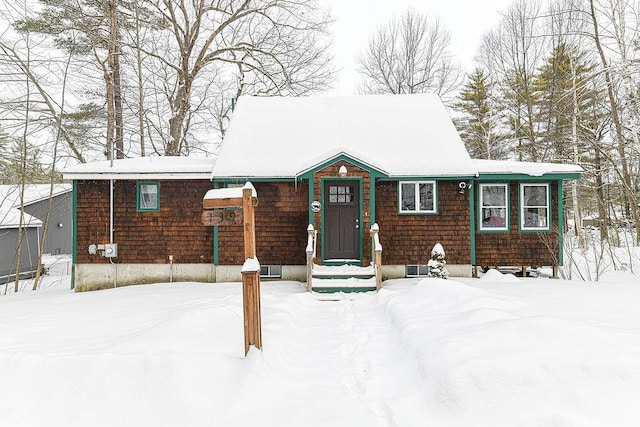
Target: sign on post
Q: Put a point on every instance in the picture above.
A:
(222, 217)
(246, 198)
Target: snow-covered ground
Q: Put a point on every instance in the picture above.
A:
(496, 351)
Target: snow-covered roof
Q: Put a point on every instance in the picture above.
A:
(399, 135)
(10, 202)
(33, 193)
(504, 167)
(169, 167)
(10, 218)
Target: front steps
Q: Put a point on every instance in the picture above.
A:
(342, 278)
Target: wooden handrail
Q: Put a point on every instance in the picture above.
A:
(376, 254)
(311, 253)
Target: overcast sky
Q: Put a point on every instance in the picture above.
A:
(357, 20)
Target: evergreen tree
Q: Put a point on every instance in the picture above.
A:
(437, 263)
(31, 169)
(478, 126)
(89, 30)
(564, 99)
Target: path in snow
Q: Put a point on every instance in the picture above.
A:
(366, 376)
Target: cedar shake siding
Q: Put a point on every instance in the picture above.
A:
(281, 216)
(409, 238)
(144, 237)
(516, 247)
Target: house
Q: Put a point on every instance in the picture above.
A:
(35, 206)
(340, 164)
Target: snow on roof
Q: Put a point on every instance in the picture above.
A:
(526, 168)
(33, 193)
(402, 135)
(168, 167)
(10, 218)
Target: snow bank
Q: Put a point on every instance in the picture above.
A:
(419, 352)
(493, 275)
(488, 360)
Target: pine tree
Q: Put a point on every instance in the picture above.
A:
(478, 125)
(437, 263)
(563, 96)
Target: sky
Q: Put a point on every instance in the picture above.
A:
(357, 20)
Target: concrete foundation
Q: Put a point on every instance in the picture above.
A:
(91, 277)
(399, 271)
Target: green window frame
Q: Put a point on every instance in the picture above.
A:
(535, 207)
(417, 197)
(148, 196)
(493, 211)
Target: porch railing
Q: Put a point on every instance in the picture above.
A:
(376, 254)
(311, 253)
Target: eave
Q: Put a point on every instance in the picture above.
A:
(136, 176)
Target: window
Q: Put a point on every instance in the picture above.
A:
(494, 207)
(416, 270)
(534, 206)
(271, 271)
(417, 197)
(340, 194)
(148, 196)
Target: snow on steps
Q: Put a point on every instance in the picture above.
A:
(342, 271)
(343, 278)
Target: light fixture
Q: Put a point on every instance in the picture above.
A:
(342, 171)
(462, 186)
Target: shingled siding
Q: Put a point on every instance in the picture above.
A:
(282, 217)
(515, 247)
(353, 171)
(409, 238)
(144, 237)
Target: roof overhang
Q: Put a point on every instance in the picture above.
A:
(135, 176)
(336, 156)
(143, 168)
(526, 171)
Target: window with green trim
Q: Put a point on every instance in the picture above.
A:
(534, 207)
(148, 196)
(417, 197)
(494, 207)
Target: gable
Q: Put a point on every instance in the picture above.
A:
(402, 135)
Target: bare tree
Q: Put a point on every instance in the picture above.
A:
(277, 44)
(618, 23)
(409, 55)
(512, 52)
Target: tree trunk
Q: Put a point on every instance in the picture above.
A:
(577, 217)
(630, 199)
(176, 122)
(136, 12)
(602, 207)
(115, 144)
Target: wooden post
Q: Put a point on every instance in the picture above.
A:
(310, 253)
(376, 249)
(250, 276)
(249, 223)
(251, 308)
(230, 198)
